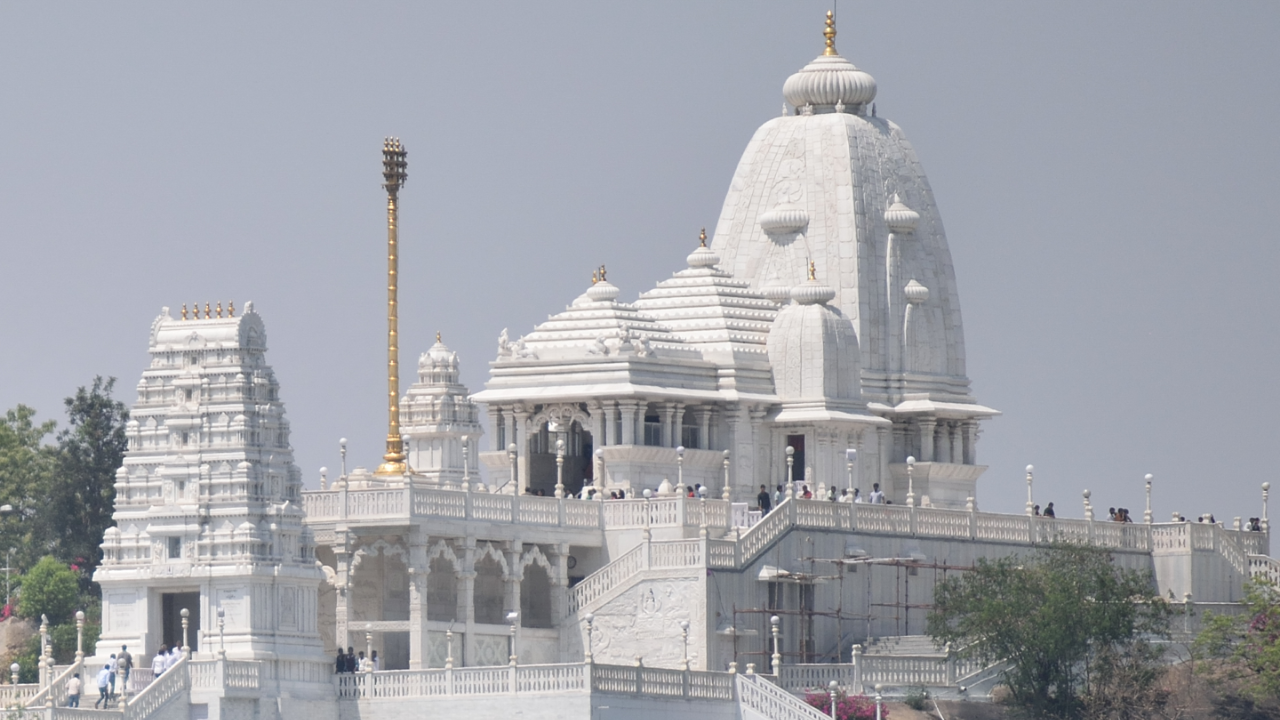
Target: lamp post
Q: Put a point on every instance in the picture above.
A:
(186, 623)
(775, 621)
(702, 506)
(1088, 506)
(684, 637)
(1146, 516)
(911, 487)
(222, 643)
(791, 461)
(647, 495)
(831, 689)
(1031, 508)
(448, 659)
(466, 463)
(324, 478)
(726, 493)
(511, 461)
(680, 467)
(559, 468)
(368, 647)
(513, 617)
(79, 636)
(342, 450)
(591, 624)
(14, 669)
(598, 480)
(1266, 490)
(879, 700)
(851, 464)
(44, 647)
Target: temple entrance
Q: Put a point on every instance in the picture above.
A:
(578, 465)
(171, 606)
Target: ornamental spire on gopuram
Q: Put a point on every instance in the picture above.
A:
(394, 173)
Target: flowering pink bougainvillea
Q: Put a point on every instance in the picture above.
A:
(848, 707)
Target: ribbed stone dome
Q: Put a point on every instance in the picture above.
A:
(814, 351)
(603, 291)
(915, 293)
(828, 80)
(784, 220)
(899, 217)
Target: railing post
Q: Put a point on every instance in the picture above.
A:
(972, 507)
(468, 510)
(562, 512)
(951, 665)
(912, 508)
(639, 674)
(342, 498)
(857, 668)
(511, 673)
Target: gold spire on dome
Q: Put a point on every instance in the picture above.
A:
(702, 238)
(813, 274)
(594, 278)
(830, 34)
(437, 336)
(394, 173)
(184, 311)
(206, 311)
(602, 273)
(231, 308)
(219, 308)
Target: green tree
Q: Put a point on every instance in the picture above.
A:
(1062, 617)
(90, 451)
(27, 470)
(1241, 653)
(50, 588)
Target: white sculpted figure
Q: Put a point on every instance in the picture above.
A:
(504, 344)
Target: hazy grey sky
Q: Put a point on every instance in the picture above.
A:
(1107, 173)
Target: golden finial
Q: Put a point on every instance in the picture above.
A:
(219, 308)
(437, 336)
(602, 273)
(594, 278)
(206, 311)
(184, 311)
(813, 275)
(830, 34)
(702, 238)
(231, 308)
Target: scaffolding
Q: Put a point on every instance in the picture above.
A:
(801, 612)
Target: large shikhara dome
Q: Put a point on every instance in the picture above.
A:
(820, 184)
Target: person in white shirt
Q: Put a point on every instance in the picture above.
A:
(877, 497)
(158, 662)
(73, 691)
(857, 495)
(104, 687)
(172, 659)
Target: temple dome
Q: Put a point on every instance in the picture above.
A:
(813, 349)
(828, 81)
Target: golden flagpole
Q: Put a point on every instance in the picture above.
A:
(394, 173)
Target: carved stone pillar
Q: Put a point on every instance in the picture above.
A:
(467, 600)
(926, 426)
(970, 428)
(942, 442)
(596, 410)
(761, 448)
(628, 410)
(703, 414)
(419, 641)
(342, 552)
(560, 582)
(957, 441)
(512, 602)
(522, 448)
(670, 424)
(496, 427)
(884, 451)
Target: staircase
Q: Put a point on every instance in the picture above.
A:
(760, 699)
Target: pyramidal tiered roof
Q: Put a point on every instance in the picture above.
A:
(711, 311)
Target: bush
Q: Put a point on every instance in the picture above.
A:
(50, 588)
(64, 641)
(916, 698)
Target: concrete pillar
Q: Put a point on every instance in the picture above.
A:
(467, 601)
(343, 570)
(522, 448)
(884, 451)
(957, 442)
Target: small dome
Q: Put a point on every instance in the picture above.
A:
(915, 292)
(702, 256)
(784, 220)
(603, 291)
(830, 80)
(439, 354)
(780, 294)
(899, 217)
(813, 293)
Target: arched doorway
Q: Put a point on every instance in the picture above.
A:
(567, 423)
